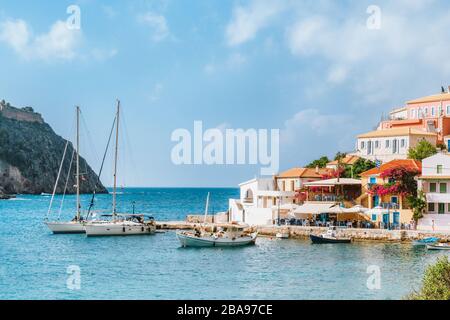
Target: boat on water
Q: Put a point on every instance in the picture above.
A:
(425, 241)
(76, 225)
(283, 235)
(119, 224)
(438, 246)
(123, 225)
(331, 236)
(227, 235)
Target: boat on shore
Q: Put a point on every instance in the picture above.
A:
(331, 236)
(438, 246)
(425, 241)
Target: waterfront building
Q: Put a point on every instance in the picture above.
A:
(430, 114)
(259, 202)
(294, 179)
(435, 183)
(389, 144)
(394, 204)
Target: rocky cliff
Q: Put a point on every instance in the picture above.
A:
(30, 155)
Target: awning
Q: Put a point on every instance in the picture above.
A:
(313, 208)
(438, 197)
(377, 211)
(333, 182)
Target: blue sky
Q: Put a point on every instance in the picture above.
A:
(309, 68)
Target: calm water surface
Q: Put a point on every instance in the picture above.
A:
(33, 262)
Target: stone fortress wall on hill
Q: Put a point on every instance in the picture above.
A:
(23, 114)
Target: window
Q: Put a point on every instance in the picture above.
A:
(448, 207)
(441, 208)
(432, 111)
(395, 146)
(433, 187)
(426, 111)
(431, 207)
(448, 110)
(387, 143)
(373, 180)
(443, 188)
(292, 185)
(403, 143)
(439, 169)
(376, 144)
(362, 144)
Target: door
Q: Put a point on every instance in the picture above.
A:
(376, 201)
(397, 218)
(441, 208)
(386, 218)
(394, 201)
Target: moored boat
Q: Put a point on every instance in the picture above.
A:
(124, 225)
(438, 246)
(331, 236)
(226, 236)
(282, 235)
(425, 241)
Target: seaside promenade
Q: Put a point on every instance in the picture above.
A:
(300, 232)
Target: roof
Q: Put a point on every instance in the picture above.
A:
(350, 160)
(334, 182)
(394, 132)
(432, 98)
(434, 177)
(404, 163)
(304, 173)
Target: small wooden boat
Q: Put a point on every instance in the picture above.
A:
(438, 246)
(425, 241)
(329, 237)
(283, 235)
(227, 236)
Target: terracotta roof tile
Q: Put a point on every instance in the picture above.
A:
(408, 163)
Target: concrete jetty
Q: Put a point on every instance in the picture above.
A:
(299, 232)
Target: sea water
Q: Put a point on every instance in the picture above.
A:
(34, 264)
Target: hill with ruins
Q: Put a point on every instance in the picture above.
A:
(30, 156)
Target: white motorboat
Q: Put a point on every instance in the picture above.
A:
(226, 236)
(438, 246)
(120, 224)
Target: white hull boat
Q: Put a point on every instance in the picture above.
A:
(438, 246)
(282, 235)
(120, 228)
(189, 239)
(66, 227)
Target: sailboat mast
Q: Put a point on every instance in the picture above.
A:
(78, 163)
(115, 160)
(206, 208)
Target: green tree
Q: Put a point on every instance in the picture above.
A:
(435, 283)
(362, 165)
(321, 163)
(418, 205)
(340, 156)
(424, 149)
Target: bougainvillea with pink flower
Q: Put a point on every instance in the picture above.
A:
(399, 180)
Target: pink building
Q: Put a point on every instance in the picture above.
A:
(430, 114)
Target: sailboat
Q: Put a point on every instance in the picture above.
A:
(227, 235)
(120, 224)
(77, 224)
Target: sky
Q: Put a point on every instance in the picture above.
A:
(312, 69)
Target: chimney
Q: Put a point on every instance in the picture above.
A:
(317, 169)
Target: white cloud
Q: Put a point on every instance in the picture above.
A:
(158, 25)
(247, 21)
(59, 43)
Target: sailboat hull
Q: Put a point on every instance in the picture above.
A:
(188, 240)
(118, 229)
(70, 227)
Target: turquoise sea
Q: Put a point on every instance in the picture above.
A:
(34, 263)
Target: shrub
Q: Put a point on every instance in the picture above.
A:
(435, 283)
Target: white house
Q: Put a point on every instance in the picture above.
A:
(390, 144)
(259, 202)
(435, 183)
